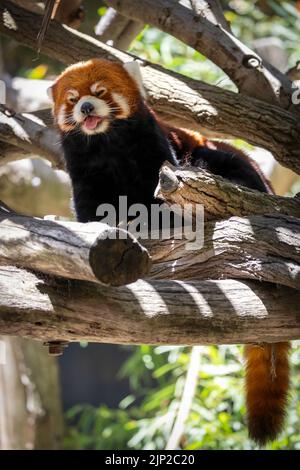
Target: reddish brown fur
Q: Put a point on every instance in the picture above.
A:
(267, 383)
(230, 148)
(187, 140)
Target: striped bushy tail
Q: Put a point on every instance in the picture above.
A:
(267, 383)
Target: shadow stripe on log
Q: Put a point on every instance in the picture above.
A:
(93, 251)
(156, 312)
(265, 248)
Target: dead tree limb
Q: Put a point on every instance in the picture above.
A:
(219, 197)
(253, 76)
(117, 30)
(193, 103)
(31, 136)
(93, 252)
(156, 312)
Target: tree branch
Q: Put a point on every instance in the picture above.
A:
(31, 136)
(158, 312)
(9, 153)
(219, 197)
(253, 76)
(211, 10)
(91, 252)
(118, 30)
(194, 103)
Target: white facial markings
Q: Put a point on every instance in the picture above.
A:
(118, 107)
(72, 95)
(101, 108)
(98, 88)
(62, 120)
(122, 102)
(61, 115)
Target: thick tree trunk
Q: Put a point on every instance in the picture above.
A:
(259, 247)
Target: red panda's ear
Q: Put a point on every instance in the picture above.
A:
(50, 92)
(133, 69)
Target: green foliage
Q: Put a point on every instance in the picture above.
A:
(158, 47)
(145, 418)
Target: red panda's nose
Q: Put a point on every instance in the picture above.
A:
(86, 108)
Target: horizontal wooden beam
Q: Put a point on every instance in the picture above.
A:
(146, 312)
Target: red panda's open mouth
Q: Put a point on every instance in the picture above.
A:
(91, 122)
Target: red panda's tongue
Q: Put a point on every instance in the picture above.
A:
(91, 122)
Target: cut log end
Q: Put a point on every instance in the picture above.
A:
(116, 260)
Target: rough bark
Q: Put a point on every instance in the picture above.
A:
(219, 197)
(262, 248)
(69, 12)
(31, 136)
(30, 408)
(156, 312)
(94, 252)
(9, 153)
(253, 76)
(211, 10)
(190, 102)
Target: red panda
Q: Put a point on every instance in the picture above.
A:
(114, 145)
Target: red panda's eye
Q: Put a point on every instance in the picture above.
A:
(72, 99)
(100, 92)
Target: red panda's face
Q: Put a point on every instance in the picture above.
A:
(89, 96)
